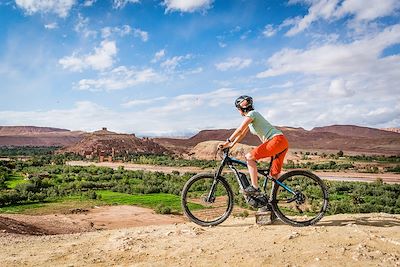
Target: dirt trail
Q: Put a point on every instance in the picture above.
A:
(340, 240)
(84, 220)
(333, 176)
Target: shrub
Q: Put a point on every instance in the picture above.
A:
(243, 214)
(341, 207)
(162, 209)
(91, 194)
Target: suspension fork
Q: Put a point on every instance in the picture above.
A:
(211, 194)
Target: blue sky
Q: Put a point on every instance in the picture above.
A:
(174, 67)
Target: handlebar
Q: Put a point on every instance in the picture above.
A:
(225, 151)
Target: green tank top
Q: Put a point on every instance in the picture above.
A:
(261, 127)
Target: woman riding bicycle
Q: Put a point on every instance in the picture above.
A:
(274, 143)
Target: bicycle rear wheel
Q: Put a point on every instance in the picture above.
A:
(205, 208)
(308, 203)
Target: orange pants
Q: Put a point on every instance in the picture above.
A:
(269, 149)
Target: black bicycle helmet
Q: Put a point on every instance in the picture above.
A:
(249, 105)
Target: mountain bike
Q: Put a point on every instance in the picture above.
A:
(298, 197)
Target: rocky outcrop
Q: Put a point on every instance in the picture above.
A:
(106, 143)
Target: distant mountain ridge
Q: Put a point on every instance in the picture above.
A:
(357, 131)
(334, 137)
(396, 130)
(14, 130)
(38, 136)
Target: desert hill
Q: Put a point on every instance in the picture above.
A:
(104, 142)
(207, 150)
(37, 136)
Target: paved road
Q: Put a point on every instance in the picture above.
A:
(332, 176)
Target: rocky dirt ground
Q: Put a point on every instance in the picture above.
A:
(339, 240)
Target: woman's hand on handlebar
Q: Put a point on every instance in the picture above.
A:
(224, 145)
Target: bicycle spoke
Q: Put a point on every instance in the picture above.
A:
(308, 203)
(206, 203)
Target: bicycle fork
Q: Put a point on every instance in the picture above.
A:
(211, 195)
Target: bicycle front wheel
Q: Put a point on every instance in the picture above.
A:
(207, 201)
(305, 204)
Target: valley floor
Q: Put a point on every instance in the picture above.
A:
(333, 176)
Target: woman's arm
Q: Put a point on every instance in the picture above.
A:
(238, 134)
(243, 127)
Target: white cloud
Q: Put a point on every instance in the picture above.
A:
(367, 9)
(142, 34)
(81, 23)
(81, 26)
(118, 4)
(200, 113)
(245, 35)
(269, 30)
(235, 63)
(124, 30)
(73, 63)
(59, 7)
(190, 102)
(51, 26)
(339, 88)
(89, 3)
(89, 116)
(197, 70)
(102, 58)
(172, 63)
(287, 84)
(187, 5)
(222, 44)
(142, 102)
(119, 78)
(319, 9)
(107, 32)
(331, 10)
(158, 56)
(336, 59)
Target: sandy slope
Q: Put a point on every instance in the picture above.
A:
(340, 240)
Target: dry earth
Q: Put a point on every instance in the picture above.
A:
(340, 240)
(84, 220)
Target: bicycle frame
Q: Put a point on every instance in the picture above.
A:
(230, 161)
